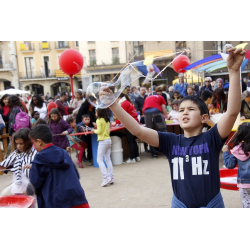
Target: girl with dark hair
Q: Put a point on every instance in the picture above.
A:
(37, 104)
(127, 105)
(5, 110)
(219, 102)
(22, 154)
(104, 146)
(240, 154)
(59, 128)
(15, 106)
(87, 108)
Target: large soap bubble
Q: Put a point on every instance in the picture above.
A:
(128, 75)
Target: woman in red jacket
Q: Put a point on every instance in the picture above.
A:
(127, 105)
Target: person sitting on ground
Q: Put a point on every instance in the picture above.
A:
(55, 179)
(193, 156)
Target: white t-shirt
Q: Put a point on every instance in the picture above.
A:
(42, 111)
(174, 114)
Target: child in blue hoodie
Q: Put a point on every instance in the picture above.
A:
(53, 174)
(240, 154)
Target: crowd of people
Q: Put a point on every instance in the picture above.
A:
(40, 122)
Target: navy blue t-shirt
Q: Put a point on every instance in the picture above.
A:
(194, 165)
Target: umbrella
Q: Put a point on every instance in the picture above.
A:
(14, 92)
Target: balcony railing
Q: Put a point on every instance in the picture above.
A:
(4, 67)
(61, 45)
(44, 46)
(37, 74)
(27, 47)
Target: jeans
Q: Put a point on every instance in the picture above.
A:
(133, 147)
(104, 149)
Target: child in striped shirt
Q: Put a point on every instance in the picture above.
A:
(22, 154)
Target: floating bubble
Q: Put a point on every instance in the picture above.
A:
(95, 90)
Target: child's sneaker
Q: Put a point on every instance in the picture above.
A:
(105, 181)
(138, 158)
(80, 164)
(128, 161)
(112, 181)
(89, 163)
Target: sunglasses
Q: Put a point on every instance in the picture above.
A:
(207, 81)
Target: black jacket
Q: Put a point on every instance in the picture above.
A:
(139, 101)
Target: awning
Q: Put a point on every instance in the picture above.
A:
(60, 73)
(190, 77)
(158, 53)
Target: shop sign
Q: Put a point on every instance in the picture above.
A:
(62, 78)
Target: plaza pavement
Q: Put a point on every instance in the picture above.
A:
(146, 184)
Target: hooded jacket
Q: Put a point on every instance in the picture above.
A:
(56, 180)
(238, 156)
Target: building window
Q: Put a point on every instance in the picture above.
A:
(115, 55)
(92, 58)
(77, 44)
(62, 44)
(179, 45)
(29, 67)
(138, 46)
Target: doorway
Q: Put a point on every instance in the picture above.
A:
(29, 67)
(46, 66)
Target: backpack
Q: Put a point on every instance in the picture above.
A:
(22, 120)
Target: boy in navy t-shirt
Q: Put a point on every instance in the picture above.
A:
(194, 156)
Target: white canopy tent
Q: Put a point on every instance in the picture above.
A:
(13, 92)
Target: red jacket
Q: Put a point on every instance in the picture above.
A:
(130, 109)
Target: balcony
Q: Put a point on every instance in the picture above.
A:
(61, 45)
(6, 67)
(27, 47)
(45, 46)
(37, 75)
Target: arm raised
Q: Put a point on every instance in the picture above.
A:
(227, 121)
(148, 135)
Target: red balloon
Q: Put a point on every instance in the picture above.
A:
(180, 63)
(71, 61)
(51, 105)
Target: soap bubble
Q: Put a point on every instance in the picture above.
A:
(128, 75)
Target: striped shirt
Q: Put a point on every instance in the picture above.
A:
(18, 161)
